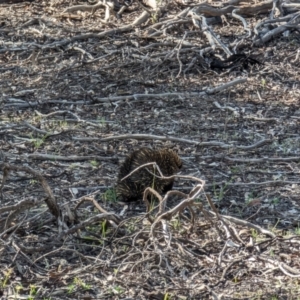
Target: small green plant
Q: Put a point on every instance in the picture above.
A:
(118, 290)
(104, 228)
(37, 142)
(297, 230)
(274, 228)
(7, 274)
(254, 233)
(154, 18)
(152, 203)
(177, 223)
(94, 163)
(249, 197)
(275, 201)
(62, 124)
(263, 83)
(167, 296)
(125, 248)
(235, 170)
(32, 292)
(73, 166)
(33, 181)
(219, 193)
(102, 121)
(110, 195)
(18, 288)
(71, 288)
(235, 279)
(79, 282)
(131, 226)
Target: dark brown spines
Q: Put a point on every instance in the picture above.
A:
(132, 188)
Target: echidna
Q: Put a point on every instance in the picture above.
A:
(132, 188)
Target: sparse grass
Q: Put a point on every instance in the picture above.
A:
(221, 191)
(117, 290)
(71, 288)
(167, 296)
(297, 230)
(254, 233)
(63, 124)
(73, 166)
(104, 228)
(33, 181)
(102, 121)
(110, 195)
(152, 203)
(130, 262)
(275, 201)
(78, 282)
(176, 223)
(94, 163)
(7, 274)
(38, 142)
(32, 292)
(17, 290)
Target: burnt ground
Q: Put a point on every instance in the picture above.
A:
(79, 94)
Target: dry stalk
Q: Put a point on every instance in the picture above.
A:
(50, 200)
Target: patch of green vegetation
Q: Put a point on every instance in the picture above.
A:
(94, 163)
(152, 204)
(102, 121)
(254, 233)
(220, 192)
(275, 201)
(176, 223)
(32, 292)
(17, 290)
(7, 274)
(167, 296)
(110, 195)
(117, 290)
(37, 142)
(104, 228)
(73, 166)
(78, 282)
(249, 197)
(235, 170)
(131, 227)
(71, 288)
(274, 229)
(63, 124)
(297, 230)
(198, 200)
(154, 18)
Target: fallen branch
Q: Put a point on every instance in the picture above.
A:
(174, 139)
(50, 200)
